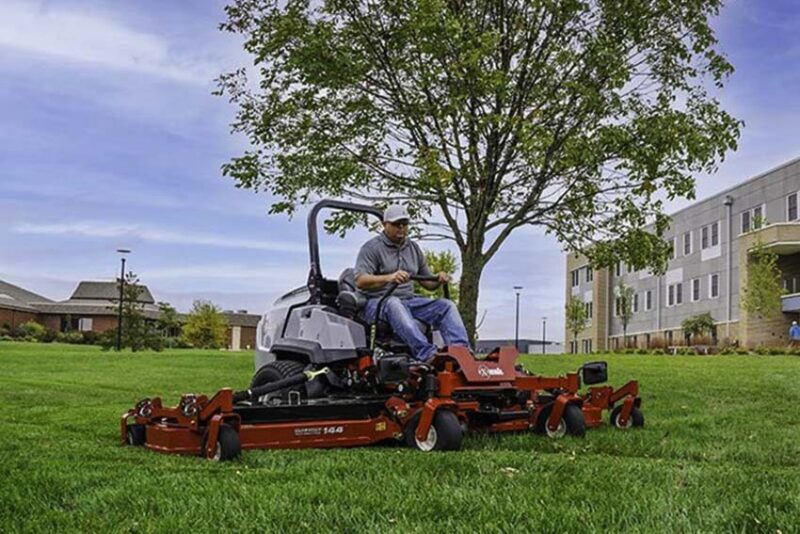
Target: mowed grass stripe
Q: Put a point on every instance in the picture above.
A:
(720, 452)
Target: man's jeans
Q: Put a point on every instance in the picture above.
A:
(441, 314)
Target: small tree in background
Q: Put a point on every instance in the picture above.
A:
(761, 296)
(625, 308)
(446, 262)
(138, 333)
(576, 318)
(697, 325)
(205, 326)
(168, 323)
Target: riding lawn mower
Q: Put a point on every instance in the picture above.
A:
(325, 377)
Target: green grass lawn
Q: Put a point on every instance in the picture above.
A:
(720, 451)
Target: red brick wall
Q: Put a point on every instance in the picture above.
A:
(100, 323)
(14, 318)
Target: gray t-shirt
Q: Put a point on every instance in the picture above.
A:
(380, 255)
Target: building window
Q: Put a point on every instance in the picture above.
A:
(791, 207)
(636, 303)
(673, 248)
(695, 290)
(758, 217)
(648, 300)
(617, 269)
(85, 324)
(713, 286)
(575, 278)
(752, 219)
(709, 235)
(745, 221)
(617, 306)
(687, 243)
(675, 294)
(588, 307)
(589, 274)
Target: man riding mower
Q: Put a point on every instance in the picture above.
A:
(332, 373)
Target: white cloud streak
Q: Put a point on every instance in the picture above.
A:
(73, 36)
(105, 230)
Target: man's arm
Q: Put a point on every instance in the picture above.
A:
(367, 266)
(376, 281)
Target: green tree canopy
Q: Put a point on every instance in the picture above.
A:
(761, 295)
(440, 262)
(205, 326)
(484, 117)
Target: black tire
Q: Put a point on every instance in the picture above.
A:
(445, 433)
(636, 420)
(278, 370)
(228, 445)
(137, 435)
(572, 422)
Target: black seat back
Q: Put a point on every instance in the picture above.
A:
(349, 301)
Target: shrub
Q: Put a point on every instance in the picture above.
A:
(49, 336)
(75, 338)
(90, 337)
(31, 331)
(742, 351)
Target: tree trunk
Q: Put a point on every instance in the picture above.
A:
(575, 350)
(469, 284)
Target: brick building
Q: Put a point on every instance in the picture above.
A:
(93, 307)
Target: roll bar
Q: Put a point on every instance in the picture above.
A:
(314, 283)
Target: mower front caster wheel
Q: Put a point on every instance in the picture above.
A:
(136, 435)
(228, 444)
(445, 433)
(636, 418)
(571, 423)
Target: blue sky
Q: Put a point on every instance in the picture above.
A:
(110, 137)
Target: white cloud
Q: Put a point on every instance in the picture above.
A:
(101, 41)
(106, 230)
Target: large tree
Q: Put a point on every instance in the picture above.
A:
(484, 116)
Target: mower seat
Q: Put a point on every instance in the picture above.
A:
(350, 303)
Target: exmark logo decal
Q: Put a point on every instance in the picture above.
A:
(486, 372)
(319, 431)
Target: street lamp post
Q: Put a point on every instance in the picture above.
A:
(544, 334)
(517, 289)
(122, 251)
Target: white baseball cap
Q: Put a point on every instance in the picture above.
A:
(395, 212)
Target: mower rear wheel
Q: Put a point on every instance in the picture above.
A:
(278, 370)
(136, 435)
(636, 418)
(572, 422)
(445, 433)
(228, 445)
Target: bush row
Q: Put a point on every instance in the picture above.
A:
(723, 350)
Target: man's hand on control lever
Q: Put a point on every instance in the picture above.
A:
(398, 277)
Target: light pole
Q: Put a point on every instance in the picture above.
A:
(517, 289)
(122, 251)
(544, 334)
